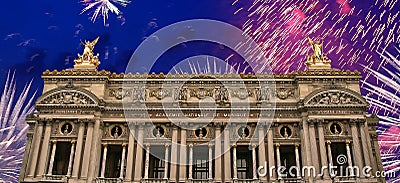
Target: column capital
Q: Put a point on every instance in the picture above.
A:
(210, 145)
(234, 145)
(166, 145)
(347, 142)
(147, 145)
(54, 141)
(277, 144)
(328, 142)
(104, 144)
(73, 142)
(123, 144)
(296, 145)
(190, 145)
(254, 145)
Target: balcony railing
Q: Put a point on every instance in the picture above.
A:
(292, 180)
(246, 181)
(54, 178)
(154, 180)
(108, 180)
(199, 181)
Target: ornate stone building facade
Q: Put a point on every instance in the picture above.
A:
(97, 126)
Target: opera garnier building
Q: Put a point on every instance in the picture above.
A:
(96, 126)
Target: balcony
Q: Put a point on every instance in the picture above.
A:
(246, 181)
(108, 180)
(199, 181)
(293, 180)
(154, 180)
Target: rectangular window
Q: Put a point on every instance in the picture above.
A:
(157, 162)
(200, 162)
(61, 158)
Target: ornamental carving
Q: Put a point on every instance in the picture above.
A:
(68, 97)
(263, 94)
(241, 93)
(160, 93)
(284, 93)
(334, 98)
(201, 93)
(136, 94)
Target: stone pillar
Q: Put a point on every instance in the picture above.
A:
(314, 148)
(278, 161)
(121, 172)
(227, 156)
(86, 152)
(234, 162)
(131, 153)
(261, 151)
(53, 154)
(174, 154)
(190, 162)
(210, 158)
(271, 159)
(103, 163)
(182, 157)
(364, 142)
(322, 148)
(218, 154)
(306, 145)
(71, 158)
(35, 149)
(356, 145)
(139, 155)
(254, 158)
(349, 161)
(45, 150)
(328, 143)
(296, 153)
(27, 153)
(147, 162)
(78, 151)
(166, 157)
(95, 154)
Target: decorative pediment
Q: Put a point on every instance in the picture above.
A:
(332, 97)
(67, 96)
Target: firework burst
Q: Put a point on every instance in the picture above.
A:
(382, 92)
(13, 129)
(103, 7)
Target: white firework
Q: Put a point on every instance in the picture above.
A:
(13, 128)
(102, 7)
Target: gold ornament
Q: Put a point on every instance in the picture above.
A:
(318, 60)
(88, 60)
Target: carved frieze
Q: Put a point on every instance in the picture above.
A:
(67, 97)
(334, 98)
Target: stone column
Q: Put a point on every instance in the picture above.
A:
(190, 161)
(121, 172)
(103, 163)
(349, 161)
(139, 155)
(218, 155)
(314, 148)
(210, 157)
(71, 158)
(364, 142)
(174, 154)
(296, 153)
(261, 151)
(329, 156)
(356, 144)
(35, 148)
(227, 156)
(53, 154)
(78, 151)
(234, 162)
(278, 161)
(87, 150)
(322, 148)
(45, 150)
(271, 159)
(147, 162)
(182, 157)
(95, 154)
(131, 153)
(28, 148)
(166, 157)
(254, 158)
(307, 146)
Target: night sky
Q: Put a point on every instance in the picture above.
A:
(40, 35)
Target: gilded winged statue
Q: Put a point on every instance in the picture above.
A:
(88, 60)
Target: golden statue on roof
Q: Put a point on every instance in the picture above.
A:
(318, 59)
(88, 60)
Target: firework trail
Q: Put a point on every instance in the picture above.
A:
(382, 93)
(13, 129)
(351, 30)
(102, 7)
